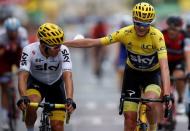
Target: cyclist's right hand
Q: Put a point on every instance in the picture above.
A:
(23, 102)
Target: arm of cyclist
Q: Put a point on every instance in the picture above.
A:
(22, 85)
(166, 85)
(83, 43)
(163, 62)
(87, 42)
(70, 104)
(67, 78)
(165, 76)
(23, 77)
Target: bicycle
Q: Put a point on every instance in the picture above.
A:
(46, 112)
(142, 124)
(11, 94)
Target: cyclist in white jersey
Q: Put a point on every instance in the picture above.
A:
(45, 68)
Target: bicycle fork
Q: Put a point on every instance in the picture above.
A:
(142, 117)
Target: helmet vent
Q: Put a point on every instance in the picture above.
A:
(46, 28)
(58, 40)
(43, 34)
(53, 33)
(48, 34)
(54, 41)
(139, 14)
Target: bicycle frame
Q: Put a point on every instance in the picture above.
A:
(142, 122)
(45, 126)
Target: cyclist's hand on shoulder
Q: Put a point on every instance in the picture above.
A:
(70, 105)
(23, 102)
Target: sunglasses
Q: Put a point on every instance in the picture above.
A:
(137, 23)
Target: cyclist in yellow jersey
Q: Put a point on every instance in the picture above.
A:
(146, 62)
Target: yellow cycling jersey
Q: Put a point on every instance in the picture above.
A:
(143, 52)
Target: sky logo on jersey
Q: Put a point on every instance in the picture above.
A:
(65, 55)
(24, 59)
(45, 67)
(142, 61)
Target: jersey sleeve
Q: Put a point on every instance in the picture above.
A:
(112, 38)
(25, 59)
(66, 59)
(160, 44)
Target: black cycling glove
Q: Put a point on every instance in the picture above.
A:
(70, 101)
(167, 98)
(23, 99)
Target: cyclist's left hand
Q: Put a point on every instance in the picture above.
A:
(70, 105)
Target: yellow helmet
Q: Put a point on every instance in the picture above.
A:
(144, 12)
(51, 34)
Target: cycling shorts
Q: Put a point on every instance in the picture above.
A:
(54, 93)
(134, 82)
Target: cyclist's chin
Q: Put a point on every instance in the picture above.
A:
(54, 54)
(141, 33)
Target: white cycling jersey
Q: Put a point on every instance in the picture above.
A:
(46, 70)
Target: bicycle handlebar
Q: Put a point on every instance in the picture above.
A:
(42, 105)
(166, 112)
(48, 106)
(143, 99)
